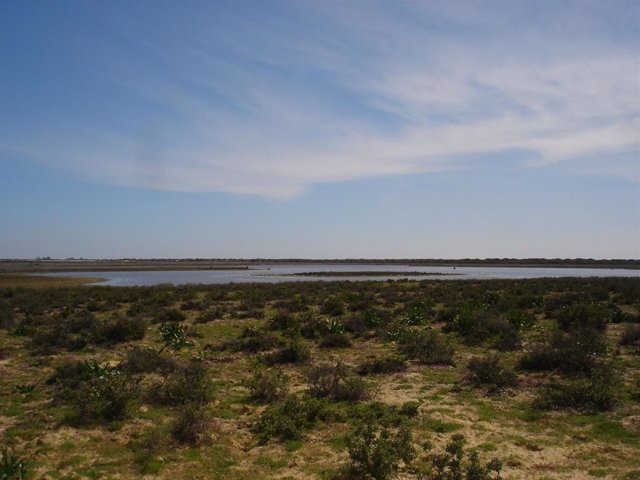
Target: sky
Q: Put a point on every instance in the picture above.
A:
(320, 129)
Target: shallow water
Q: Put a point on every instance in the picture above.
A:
(282, 273)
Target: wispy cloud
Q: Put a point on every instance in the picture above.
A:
(279, 110)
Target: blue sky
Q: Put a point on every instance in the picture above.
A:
(320, 129)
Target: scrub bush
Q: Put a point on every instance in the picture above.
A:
(375, 450)
(268, 385)
(487, 372)
(427, 347)
(336, 382)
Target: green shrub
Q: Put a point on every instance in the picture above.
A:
(94, 391)
(188, 384)
(521, 320)
(283, 320)
(191, 424)
(336, 382)
(121, 329)
(487, 372)
(268, 385)
(428, 347)
(388, 364)
(146, 360)
(170, 315)
(583, 316)
(289, 419)
(451, 464)
(12, 467)
(332, 306)
(417, 313)
(334, 340)
(508, 337)
(209, 316)
(597, 392)
(254, 340)
(72, 331)
(375, 450)
(371, 318)
(573, 352)
(295, 351)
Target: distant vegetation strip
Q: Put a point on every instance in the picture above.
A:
(23, 280)
(51, 265)
(367, 274)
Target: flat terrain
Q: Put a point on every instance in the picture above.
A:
(277, 380)
(78, 265)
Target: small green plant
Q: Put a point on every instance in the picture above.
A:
(451, 464)
(371, 318)
(268, 385)
(334, 326)
(375, 450)
(12, 467)
(25, 388)
(173, 335)
(417, 313)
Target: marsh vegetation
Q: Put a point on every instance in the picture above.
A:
(335, 380)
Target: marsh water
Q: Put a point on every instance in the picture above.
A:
(294, 272)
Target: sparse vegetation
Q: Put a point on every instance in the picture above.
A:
(233, 378)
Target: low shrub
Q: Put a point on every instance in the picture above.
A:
(487, 372)
(332, 306)
(188, 384)
(295, 351)
(76, 331)
(375, 450)
(508, 337)
(268, 385)
(289, 419)
(451, 464)
(146, 360)
(595, 393)
(521, 320)
(210, 315)
(583, 316)
(334, 340)
(427, 347)
(283, 320)
(388, 364)
(191, 424)
(631, 336)
(121, 329)
(94, 391)
(12, 467)
(336, 382)
(170, 315)
(254, 340)
(573, 352)
(417, 313)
